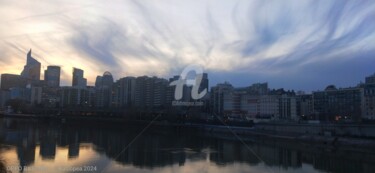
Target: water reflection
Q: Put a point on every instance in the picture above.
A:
(46, 145)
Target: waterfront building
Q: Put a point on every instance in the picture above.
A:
(140, 94)
(258, 89)
(232, 103)
(334, 104)
(104, 95)
(203, 83)
(252, 104)
(75, 97)
(287, 107)
(150, 92)
(98, 81)
(369, 98)
(124, 92)
(370, 79)
(31, 70)
(261, 106)
(50, 97)
(20, 93)
(4, 96)
(12, 80)
(305, 109)
(217, 97)
(78, 79)
(159, 92)
(52, 76)
(170, 91)
(36, 95)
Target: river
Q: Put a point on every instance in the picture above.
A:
(29, 145)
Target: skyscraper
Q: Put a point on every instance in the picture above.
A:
(217, 97)
(52, 76)
(31, 70)
(204, 83)
(124, 92)
(98, 81)
(103, 87)
(78, 79)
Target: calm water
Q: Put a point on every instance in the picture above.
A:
(41, 146)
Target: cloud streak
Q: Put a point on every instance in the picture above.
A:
(263, 40)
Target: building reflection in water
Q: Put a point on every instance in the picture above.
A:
(162, 148)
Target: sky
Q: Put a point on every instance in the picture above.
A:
(291, 44)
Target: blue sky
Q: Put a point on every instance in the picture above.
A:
(300, 45)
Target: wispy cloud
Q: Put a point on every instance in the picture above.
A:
(259, 39)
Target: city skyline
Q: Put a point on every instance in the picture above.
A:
(187, 86)
(77, 77)
(302, 46)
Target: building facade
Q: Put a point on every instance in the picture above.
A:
(338, 104)
(124, 92)
(12, 80)
(217, 97)
(369, 98)
(31, 70)
(305, 107)
(104, 94)
(75, 97)
(52, 76)
(78, 79)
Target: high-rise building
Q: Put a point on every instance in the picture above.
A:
(204, 83)
(98, 81)
(78, 79)
(217, 97)
(159, 93)
(75, 97)
(124, 92)
(150, 92)
(169, 97)
(52, 76)
(12, 80)
(31, 70)
(104, 95)
(232, 103)
(140, 88)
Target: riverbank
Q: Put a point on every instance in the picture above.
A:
(324, 135)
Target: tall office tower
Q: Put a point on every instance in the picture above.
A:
(204, 83)
(52, 76)
(98, 81)
(104, 90)
(140, 94)
(78, 79)
(31, 70)
(150, 91)
(217, 97)
(124, 92)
